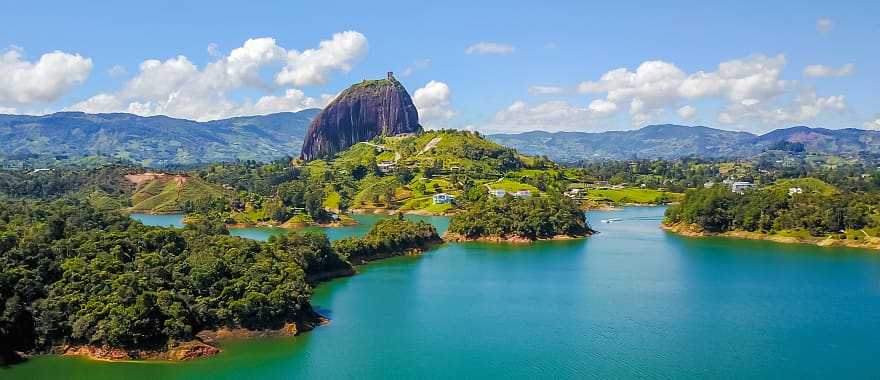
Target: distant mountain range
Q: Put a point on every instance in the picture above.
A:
(160, 140)
(154, 140)
(675, 141)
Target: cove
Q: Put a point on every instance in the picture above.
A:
(630, 302)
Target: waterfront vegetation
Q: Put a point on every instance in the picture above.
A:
(71, 274)
(517, 218)
(816, 210)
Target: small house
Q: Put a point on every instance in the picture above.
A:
(741, 186)
(386, 166)
(442, 198)
(795, 190)
(497, 192)
(522, 194)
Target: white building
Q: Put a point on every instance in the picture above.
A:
(386, 166)
(741, 186)
(442, 198)
(522, 194)
(795, 190)
(497, 192)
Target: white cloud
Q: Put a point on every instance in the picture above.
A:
(545, 90)
(755, 77)
(117, 71)
(824, 25)
(687, 112)
(47, 79)
(433, 103)
(489, 48)
(653, 85)
(177, 87)
(805, 107)
(311, 66)
(214, 50)
(601, 108)
(553, 115)
(828, 71)
(7, 110)
(873, 124)
(751, 87)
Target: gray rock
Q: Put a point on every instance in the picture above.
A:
(360, 113)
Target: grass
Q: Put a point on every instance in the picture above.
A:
(332, 200)
(632, 195)
(510, 186)
(169, 194)
(808, 185)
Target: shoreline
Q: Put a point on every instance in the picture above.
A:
(515, 239)
(206, 343)
(684, 230)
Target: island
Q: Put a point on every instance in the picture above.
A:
(519, 219)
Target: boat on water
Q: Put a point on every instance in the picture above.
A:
(612, 220)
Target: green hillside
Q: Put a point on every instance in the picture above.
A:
(171, 193)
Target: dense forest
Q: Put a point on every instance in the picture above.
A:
(387, 238)
(74, 274)
(818, 211)
(531, 218)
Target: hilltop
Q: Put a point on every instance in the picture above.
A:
(670, 141)
(167, 193)
(363, 111)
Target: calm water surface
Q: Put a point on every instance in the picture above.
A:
(631, 302)
(168, 220)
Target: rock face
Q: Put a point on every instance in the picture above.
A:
(363, 111)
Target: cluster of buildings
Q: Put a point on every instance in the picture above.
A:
(735, 186)
(444, 198)
(500, 193)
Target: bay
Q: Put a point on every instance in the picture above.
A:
(630, 302)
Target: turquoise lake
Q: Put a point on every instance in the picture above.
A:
(630, 302)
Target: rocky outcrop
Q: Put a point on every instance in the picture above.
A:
(179, 352)
(361, 112)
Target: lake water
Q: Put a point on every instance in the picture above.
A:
(630, 302)
(365, 222)
(169, 220)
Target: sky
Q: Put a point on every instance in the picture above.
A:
(491, 66)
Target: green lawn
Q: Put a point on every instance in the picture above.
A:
(632, 195)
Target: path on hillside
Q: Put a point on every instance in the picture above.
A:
(397, 155)
(431, 144)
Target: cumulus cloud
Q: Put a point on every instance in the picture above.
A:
(545, 90)
(7, 110)
(752, 88)
(828, 71)
(311, 67)
(433, 102)
(805, 107)
(177, 87)
(824, 25)
(687, 112)
(555, 115)
(47, 79)
(872, 124)
(489, 48)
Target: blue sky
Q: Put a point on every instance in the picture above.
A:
(491, 66)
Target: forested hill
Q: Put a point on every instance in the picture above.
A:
(675, 141)
(152, 141)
